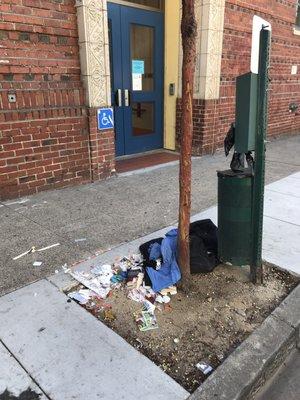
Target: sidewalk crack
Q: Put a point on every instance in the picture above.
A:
(27, 372)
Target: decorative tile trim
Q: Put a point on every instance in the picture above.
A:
(210, 20)
(94, 51)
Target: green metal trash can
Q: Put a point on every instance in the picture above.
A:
(234, 217)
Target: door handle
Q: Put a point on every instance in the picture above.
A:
(118, 97)
(127, 97)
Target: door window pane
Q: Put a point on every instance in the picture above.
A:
(141, 45)
(142, 118)
(148, 3)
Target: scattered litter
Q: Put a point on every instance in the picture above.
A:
(109, 315)
(172, 290)
(163, 299)
(148, 306)
(56, 271)
(128, 273)
(176, 340)
(39, 204)
(31, 250)
(166, 299)
(80, 240)
(17, 202)
(137, 295)
(66, 269)
(140, 279)
(37, 263)
(146, 321)
(167, 308)
(49, 247)
(91, 282)
(82, 296)
(35, 294)
(204, 367)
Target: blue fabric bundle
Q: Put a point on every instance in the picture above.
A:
(169, 272)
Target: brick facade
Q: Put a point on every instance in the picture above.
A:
(212, 118)
(48, 138)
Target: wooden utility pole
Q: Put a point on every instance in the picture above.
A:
(188, 34)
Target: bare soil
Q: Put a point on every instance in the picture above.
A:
(219, 312)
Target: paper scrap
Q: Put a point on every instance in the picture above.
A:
(205, 368)
(137, 81)
(37, 263)
(17, 202)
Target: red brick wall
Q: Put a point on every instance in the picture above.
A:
(47, 134)
(213, 117)
(102, 149)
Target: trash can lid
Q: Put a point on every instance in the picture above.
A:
(230, 174)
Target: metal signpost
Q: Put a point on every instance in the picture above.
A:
(241, 189)
(259, 165)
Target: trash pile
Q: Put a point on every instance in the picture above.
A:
(148, 277)
(127, 273)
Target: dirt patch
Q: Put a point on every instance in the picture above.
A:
(220, 311)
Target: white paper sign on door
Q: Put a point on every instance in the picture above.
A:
(137, 80)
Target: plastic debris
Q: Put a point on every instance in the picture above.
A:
(146, 321)
(31, 250)
(17, 202)
(163, 299)
(80, 240)
(176, 340)
(37, 263)
(48, 247)
(129, 274)
(91, 282)
(148, 306)
(170, 290)
(204, 367)
(82, 296)
(137, 295)
(140, 279)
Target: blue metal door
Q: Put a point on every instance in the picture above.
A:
(136, 59)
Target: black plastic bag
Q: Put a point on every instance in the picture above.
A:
(238, 162)
(229, 139)
(203, 246)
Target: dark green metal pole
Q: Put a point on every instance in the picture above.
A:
(259, 167)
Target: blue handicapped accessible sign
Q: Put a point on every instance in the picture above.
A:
(105, 118)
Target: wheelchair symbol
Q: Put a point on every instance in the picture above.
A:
(106, 120)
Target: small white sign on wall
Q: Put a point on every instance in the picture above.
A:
(137, 80)
(257, 25)
(294, 70)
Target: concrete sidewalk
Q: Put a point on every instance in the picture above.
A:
(70, 354)
(109, 213)
(281, 230)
